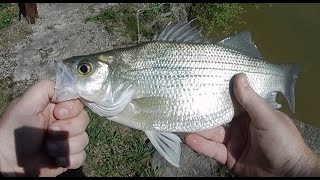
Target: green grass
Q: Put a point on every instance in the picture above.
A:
(5, 93)
(219, 19)
(8, 11)
(125, 15)
(114, 16)
(215, 19)
(104, 16)
(4, 99)
(223, 171)
(116, 150)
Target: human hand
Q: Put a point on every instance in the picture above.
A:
(260, 142)
(40, 138)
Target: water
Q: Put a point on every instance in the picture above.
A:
(289, 33)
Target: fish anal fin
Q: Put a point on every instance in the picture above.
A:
(167, 144)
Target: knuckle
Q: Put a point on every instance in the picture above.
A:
(66, 126)
(78, 162)
(84, 118)
(86, 138)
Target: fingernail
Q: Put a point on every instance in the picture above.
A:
(244, 81)
(61, 161)
(195, 140)
(55, 128)
(63, 112)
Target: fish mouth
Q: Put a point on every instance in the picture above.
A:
(64, 86)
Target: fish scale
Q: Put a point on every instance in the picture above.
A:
(149, 69)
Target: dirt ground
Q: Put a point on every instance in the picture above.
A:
(61, 32)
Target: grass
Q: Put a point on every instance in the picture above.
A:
(223, 171)
(116, 150)
(117, 16)
(4, 99)
(140, 20)
(5, 93)
(219, 19)
(218, 16)
(11, 31)
(8, 11)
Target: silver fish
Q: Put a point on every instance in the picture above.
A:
(178, 82)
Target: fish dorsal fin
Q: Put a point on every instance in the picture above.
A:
(180, 32)
(242, 42)
(167, 144)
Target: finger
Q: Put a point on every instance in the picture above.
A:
(68, 109)
(218, 134)
(255, 105)
(41, 93)
(73, 161)
(72, 145)
(67, 128)
(208, 148)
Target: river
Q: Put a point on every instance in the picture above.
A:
(289, 33)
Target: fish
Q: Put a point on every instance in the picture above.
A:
(177, 82)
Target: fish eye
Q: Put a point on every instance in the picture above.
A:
(84, 68)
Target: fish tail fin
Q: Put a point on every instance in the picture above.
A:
(291, 70)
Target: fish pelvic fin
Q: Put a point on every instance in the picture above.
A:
(167, 144)
(291, 71)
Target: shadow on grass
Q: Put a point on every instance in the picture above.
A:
(31, 159)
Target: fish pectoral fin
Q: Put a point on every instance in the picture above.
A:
(242, 42)
(105, 111)
(271, 99)
(125, 91)
(181, 32)
(167, 144)
(122, 96)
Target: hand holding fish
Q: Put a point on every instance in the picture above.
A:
(40, 138)
(262, 142)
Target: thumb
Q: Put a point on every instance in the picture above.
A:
(257, 108)
(38, 95)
